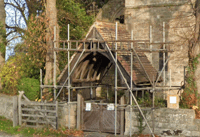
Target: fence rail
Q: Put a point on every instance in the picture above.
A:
(34, 114)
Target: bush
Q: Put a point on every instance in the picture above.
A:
(31, 87)
(10, 74)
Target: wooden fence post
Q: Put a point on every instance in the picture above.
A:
(79, 109)
(122, 115)
(56, 114)
(15, 113)
(19, 106)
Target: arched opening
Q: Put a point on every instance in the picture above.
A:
(91, 68)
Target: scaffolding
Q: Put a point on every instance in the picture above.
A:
(113, 52)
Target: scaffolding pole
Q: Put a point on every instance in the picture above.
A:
(70, 73)
(116, 80)
(69, 84)
(151, 41)
(117, 69)
(129, 89)
(41, 84)
(161, 71)
(131, 83)
(164, 53)
(54, 65)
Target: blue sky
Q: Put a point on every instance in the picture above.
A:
(14, 18)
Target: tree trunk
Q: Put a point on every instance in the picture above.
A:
(51, 15)
(2, 20)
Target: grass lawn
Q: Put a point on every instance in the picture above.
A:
(7, 127)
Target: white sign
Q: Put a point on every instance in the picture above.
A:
(88, 107)
(172, 100)
(110, 107)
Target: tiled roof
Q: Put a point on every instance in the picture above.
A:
(107, 32)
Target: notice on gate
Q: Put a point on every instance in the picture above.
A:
(88, 107)
(110, 107)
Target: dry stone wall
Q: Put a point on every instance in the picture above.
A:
(167, 122)
(6, 106)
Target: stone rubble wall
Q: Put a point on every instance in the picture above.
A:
(6, 106)
(6, 110)
(63, 114)
(166, 121)
(180, 122)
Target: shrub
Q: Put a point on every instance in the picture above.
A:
(10, 74)
(30, 86)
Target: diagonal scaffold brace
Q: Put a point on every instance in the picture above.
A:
(129, 89)
(68, 77)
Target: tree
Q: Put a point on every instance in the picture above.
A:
(2, 35)
(51, 16)
(192, 87)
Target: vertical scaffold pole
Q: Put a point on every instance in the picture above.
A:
(131, 83)
(116, 80)
(164, 53)
(41, 85)
(151, 40)
(54, 65)
(69, 82)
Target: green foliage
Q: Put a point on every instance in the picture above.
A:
(34, 47)
(16, 68)
(147, 101)
(189, 96)
(3, 41)
(140, 119)
(30, 86)
(71, 12)
(10, 74)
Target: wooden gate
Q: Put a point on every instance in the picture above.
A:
(34, 114)
(98, 117)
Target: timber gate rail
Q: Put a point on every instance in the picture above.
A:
(35, 114)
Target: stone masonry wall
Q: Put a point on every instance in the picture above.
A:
(6, 106)
(63, 115)
(180, 122)
(6, 110)
(179, 20)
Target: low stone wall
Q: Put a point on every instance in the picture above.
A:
(166, 122)
(63, 114)
(6, 110)
(6, 106)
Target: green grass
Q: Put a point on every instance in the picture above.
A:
(7, 127)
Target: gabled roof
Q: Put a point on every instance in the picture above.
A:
(106, 31)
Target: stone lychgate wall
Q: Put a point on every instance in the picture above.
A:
(6, 106)
(166, 122)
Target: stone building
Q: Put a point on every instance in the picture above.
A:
(166, 24)
(158, 21)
